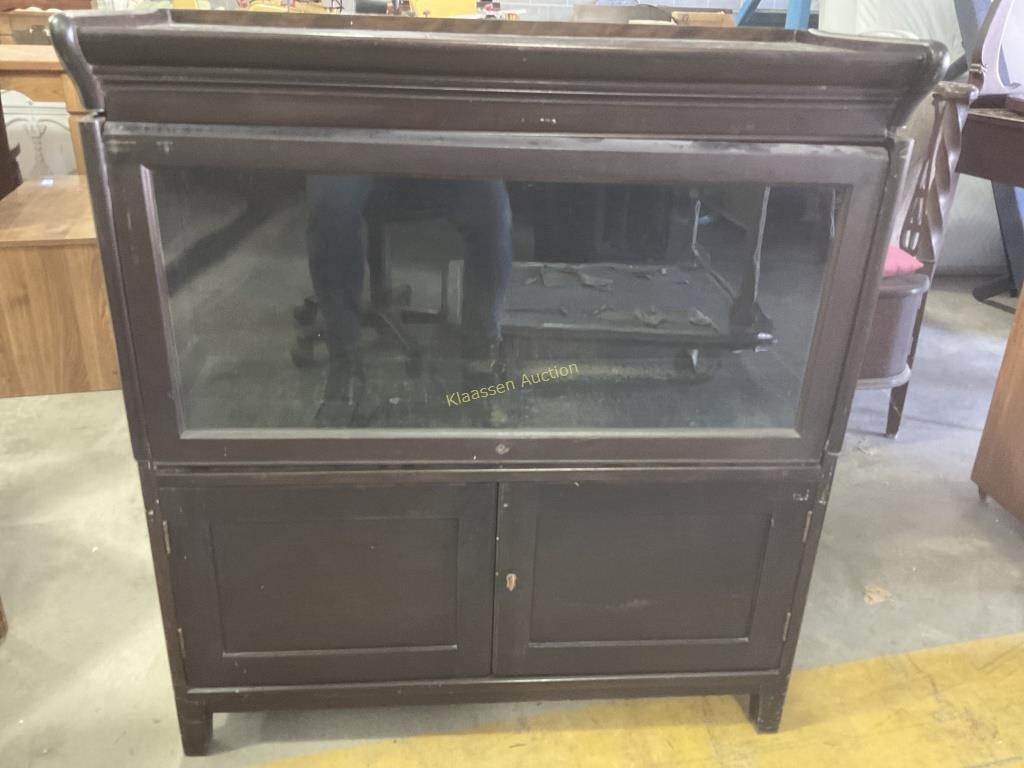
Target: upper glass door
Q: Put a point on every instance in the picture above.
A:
(665, 293)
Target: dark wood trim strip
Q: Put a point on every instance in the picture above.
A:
(478, 690)
(297, 476)
(351, 71)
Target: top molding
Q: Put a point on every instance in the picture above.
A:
(318, 71)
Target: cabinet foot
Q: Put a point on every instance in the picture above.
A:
(196, 725)
(766, 707)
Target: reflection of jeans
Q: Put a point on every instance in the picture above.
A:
(478, 209)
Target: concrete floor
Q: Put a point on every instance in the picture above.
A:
(83, 675)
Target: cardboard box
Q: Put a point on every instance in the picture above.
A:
(686, 18)
(641, 13)
(444, 9)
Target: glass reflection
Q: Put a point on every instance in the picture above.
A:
(351, 301)
(480, 212)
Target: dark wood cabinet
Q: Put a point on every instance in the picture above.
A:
(646, 578)
(514, 469)
(290, 584)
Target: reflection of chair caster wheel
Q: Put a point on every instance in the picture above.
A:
(305, 313)
(695, 365)
(303, 355)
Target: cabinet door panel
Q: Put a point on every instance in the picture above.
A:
(287, 584)
(645, 578)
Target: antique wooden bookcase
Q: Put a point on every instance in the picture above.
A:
(644, 523)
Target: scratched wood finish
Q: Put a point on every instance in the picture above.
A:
(55, 333)
(999, 467)
(543, 77)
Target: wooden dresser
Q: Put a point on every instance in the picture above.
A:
(993, 145)
(999, 468)
(55, 333)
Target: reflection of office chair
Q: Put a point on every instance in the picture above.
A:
(389, 307)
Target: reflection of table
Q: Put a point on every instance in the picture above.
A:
(35, 71)
(992, 145)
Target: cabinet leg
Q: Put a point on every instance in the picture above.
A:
(196, 724)
(766, 707)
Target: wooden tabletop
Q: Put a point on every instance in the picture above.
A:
(35, 71)
(29, 58)
(48, 212)
(993, 145)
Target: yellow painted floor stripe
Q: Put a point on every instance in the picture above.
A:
(960, 706)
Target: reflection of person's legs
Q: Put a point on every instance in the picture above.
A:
(334, 245)
(481, 212)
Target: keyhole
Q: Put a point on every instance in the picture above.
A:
(510, 582)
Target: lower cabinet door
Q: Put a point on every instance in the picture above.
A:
(285, 584)
(637, 578)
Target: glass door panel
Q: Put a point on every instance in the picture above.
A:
(311, 302)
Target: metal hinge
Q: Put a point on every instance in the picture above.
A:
(181, 642)
(785, 627)
(807, 525)
(167, 537)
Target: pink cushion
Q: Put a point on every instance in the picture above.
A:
(899, 262)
